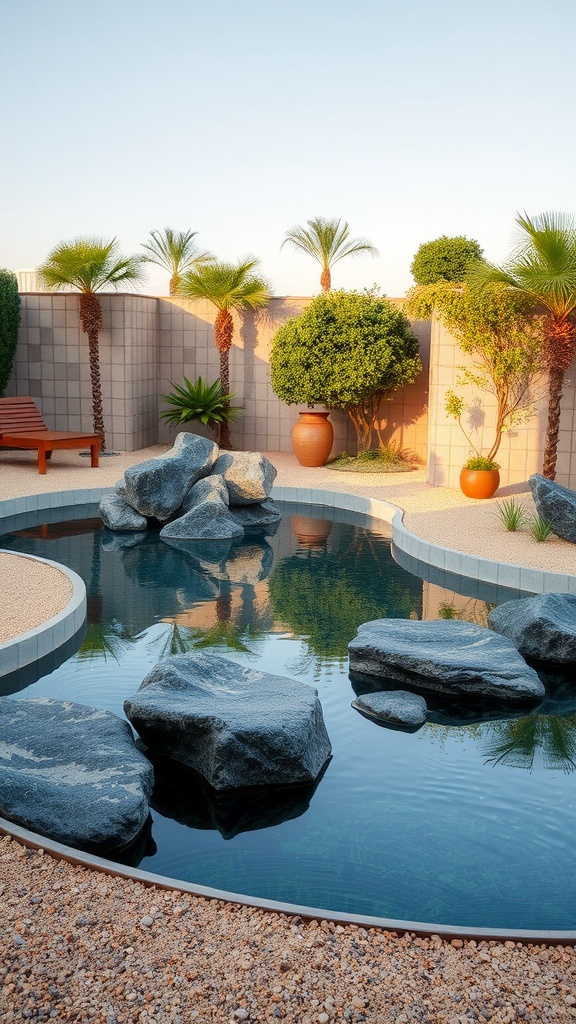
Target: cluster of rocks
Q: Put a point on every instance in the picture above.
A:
(196, 492)
(461, 659)
(74, 774)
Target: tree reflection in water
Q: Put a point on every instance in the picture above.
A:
(520, 742)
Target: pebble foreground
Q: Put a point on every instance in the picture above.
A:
(79, 945)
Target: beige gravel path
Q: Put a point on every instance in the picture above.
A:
(76, 945)
(32, 593)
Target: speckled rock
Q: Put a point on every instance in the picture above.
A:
(236, 726)
(117, 514)
(250, 517)
(557, 504)
(249, 476)
(210, 488)
(448, 656)
(542, 628)
(157, 488)
(399, 707)
(210, 520)
(72, 773)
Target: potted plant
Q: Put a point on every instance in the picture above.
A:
(206, 403)
(497, 329)
(347, 350)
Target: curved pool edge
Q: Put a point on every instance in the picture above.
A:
(29, 647)
(422, 928)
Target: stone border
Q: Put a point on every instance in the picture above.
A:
(29, 647)
(521, 577)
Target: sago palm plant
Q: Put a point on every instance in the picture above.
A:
(207, 403)
(327, 241)
(227, 286)
(90, 265)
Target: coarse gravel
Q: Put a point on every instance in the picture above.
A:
(79, 945)
(32, 593)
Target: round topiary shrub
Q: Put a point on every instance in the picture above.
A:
(445, 259)
(348, 350)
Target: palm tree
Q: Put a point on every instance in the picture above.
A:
(177, 252)
(327, 242)
(543, 266)
(227, 286)
(90, 265)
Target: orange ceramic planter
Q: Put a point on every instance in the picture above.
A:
(479, 483)
(312, 438)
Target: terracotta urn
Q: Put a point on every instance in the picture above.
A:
(312, 438)
(479, 483)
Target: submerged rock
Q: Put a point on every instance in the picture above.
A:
(72, 773)
(157, 488)
(234, 725)
(448, 656)
(398, 707)
(557, 504)
(117, 514)
(542, 628)
(249, 476)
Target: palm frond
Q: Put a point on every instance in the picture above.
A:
(89, 264)
(327, 241)
(227, 285)
(176, 251)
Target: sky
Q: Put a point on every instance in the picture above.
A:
(409, 120)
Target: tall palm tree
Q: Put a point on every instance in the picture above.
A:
(327, 242)
(543, 266)
(177, 252)
(90, 265)
(227, 286)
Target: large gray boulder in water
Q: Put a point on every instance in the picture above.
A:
(210, 520)
(249, 476)
(555, 503)
(72, 773)
(236, 726)
(266, 513)
(446, 656)
(118, 515)
(157, 488)
(542, 628)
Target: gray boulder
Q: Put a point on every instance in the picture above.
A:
(210, 488)
(116, 514)
(234, 725)
(266, 513)
(541, 627)
(249, 476)
(397, 707)
(72, 773)
(447, 656)
(210, 520)
(158, 487)
(556, 504)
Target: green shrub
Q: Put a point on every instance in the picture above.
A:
(348, 350)
(9, 323)
(199, 401)
(478, 462)
(445, 259)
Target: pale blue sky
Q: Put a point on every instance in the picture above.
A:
(239, 120)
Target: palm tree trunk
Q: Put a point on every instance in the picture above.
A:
(326, 279)
(223, 331)
(174, 282)
(91, 324)
(556, 383)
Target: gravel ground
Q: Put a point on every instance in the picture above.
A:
(78, 945)
(32, 592)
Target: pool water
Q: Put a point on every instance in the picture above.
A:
(468, 821)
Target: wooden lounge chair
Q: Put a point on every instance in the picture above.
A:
(21, 426)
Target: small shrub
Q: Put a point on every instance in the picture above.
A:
(478, 462)
(199, 401)
(512, 514)
(445, 259)
(539, 528)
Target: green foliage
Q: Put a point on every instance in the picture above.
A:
(327, 243)
(348, 350)
(89, 264)
(511, 513)
(390, 458)
(9, 323)
(498, 329)
(227, 285)
(199, 401)
(176, 251)
(539, 527)
(445, 259)
(478, 462)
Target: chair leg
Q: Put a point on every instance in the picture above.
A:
(42, 461)
(94, 450)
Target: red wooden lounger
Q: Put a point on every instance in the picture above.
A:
(21, 426)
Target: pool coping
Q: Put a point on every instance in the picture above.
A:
(459, 563)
